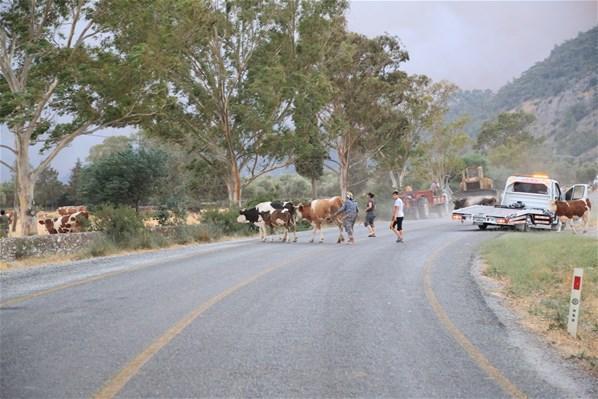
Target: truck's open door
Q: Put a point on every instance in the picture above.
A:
(577, 191)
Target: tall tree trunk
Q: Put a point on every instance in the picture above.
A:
(233, 185)
(344, 172)
(314, 188)
(25, 185)
(393, 180)
(402, 176)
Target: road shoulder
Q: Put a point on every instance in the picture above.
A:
(554, 369)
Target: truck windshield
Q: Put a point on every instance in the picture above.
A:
(532, 188)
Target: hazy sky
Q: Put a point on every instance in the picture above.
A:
(476, 45)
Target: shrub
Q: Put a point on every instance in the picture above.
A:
(120, 224)
(225, 221)
(100, 246)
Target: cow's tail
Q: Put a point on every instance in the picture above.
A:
(589, 203)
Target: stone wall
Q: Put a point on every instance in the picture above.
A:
(14, 248)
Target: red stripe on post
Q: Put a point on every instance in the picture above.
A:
(576, 282)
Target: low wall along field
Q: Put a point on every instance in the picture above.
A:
(14, 248)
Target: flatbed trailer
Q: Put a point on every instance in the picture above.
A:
(499, 216)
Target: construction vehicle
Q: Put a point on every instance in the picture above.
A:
(474, 186)
(418, 204)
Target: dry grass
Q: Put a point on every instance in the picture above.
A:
(31, 262)
(536, 271)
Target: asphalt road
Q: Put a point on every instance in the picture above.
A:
(251, 319)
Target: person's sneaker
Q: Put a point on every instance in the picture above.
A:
(371, 235)
(398, 240)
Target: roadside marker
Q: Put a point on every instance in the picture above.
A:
(574, 303)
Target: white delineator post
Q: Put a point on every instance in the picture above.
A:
(575, 301)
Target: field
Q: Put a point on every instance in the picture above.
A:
(536, 270)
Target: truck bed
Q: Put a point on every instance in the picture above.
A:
(484, 214)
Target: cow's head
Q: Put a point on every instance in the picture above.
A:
(290, 207)
(303, 210)
(552, 206)
(250, 215)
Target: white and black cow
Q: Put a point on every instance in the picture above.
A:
(260, 216)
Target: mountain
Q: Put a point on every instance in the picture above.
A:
(561, 91)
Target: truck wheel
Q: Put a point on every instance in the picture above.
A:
(482, 226)
(523, 227)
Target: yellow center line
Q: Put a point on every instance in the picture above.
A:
(88, 280)
(474, 353)
(113, 386)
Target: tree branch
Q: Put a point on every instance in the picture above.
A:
(76, 14)
(8, 148)
(41, 105)
(7, 165)
(264, 171)
(66, 140)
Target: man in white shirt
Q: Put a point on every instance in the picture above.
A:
(396, 223)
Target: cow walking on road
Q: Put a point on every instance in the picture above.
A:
(281, 218)
(261, 217)
(320, 211)
(572, 211)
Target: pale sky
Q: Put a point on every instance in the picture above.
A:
(476, 45)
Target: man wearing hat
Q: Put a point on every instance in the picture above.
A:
(349, 209)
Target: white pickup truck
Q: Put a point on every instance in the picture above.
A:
(524, 204)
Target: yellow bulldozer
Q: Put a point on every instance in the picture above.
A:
(474, 187)
(473, 180)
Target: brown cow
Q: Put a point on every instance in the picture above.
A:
(280, 218)
(570, 211)
(65, 224)
(320, 211)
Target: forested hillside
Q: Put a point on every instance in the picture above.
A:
(560, 91)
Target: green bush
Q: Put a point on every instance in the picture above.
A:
(225, 221)
(100, 246)
(120, 224)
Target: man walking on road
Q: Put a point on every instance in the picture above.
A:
(350, 211)
(370, 215)
(396, 224)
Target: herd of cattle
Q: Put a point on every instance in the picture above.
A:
(268, 216)
(272, 215)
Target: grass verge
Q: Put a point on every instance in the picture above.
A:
(536, 270)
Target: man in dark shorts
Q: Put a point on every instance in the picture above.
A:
(370, 215)
(396, 224)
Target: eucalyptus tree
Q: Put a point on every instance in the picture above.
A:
(229, 96)
(424, 106)
(308, 36)
(366, 81)
(60, 77)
